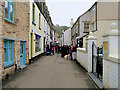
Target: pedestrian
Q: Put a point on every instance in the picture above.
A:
(53, 50)
(63, 51)
(58, 49)
(69, 48)
(74, 51)
(47, 50)
(71, 52)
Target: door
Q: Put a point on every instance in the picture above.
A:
(31, 45)
(22, 54)
(94, 58)
(97, 61)
(44, 45)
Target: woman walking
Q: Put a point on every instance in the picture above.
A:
(74, 51)
(53, 50)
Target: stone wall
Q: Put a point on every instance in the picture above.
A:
(0, 47)
(18, 31)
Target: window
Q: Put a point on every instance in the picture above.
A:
(8, 53)
(33, 22)
(86, 27)
(39, 21)
(93, 26)
(37, 43)
(93, 11)
(77, 30)
(9, 10)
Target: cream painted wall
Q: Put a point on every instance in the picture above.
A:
(85, 17)
(82, 56)
(85, 41)
(107, 10)
(35, 30)
(107, 13)
(103, 27)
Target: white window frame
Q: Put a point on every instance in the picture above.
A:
(93, 11)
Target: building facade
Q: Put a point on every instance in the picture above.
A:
(97, 20)
(67, 36)
(75, 32)
(47, 26)
(25, 30)
(14, 36)
(35, 39)
(40, 28)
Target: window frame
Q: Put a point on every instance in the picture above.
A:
(93, 11)
(37, 41)
(8, 62)
(39, 20)
(93, 27)
(33, 14)
(9, 16)
(87, 26)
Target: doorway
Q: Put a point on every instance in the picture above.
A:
(22, 54)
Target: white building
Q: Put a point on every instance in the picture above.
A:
(66, 36)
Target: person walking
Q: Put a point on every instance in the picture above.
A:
(71, 52)
(47, 50)
(53, 50)
(74, 51)
(63, 51)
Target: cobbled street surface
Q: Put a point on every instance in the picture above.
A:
(50, 72)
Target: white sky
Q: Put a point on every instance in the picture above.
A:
(61, 11)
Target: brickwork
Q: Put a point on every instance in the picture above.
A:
(0, 47)
(19, 31)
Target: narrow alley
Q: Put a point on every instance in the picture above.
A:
(50, 72)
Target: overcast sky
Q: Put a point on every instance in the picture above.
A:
(61, 11)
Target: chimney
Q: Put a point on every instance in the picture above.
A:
(71, 23)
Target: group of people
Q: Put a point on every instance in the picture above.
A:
(69, 50)
(63, 50)
(50, 49)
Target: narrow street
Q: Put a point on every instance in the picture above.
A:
(50, 72)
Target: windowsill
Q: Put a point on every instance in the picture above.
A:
(94, 30)
(37, 51)
(8, 65)
(39, 28)
(9, 20)
(33, 23)
(86, 31)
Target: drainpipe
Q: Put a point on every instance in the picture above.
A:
(96, 16)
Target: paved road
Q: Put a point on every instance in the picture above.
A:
(50, 72)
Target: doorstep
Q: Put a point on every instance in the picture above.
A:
(96, 80)
(24, 67)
